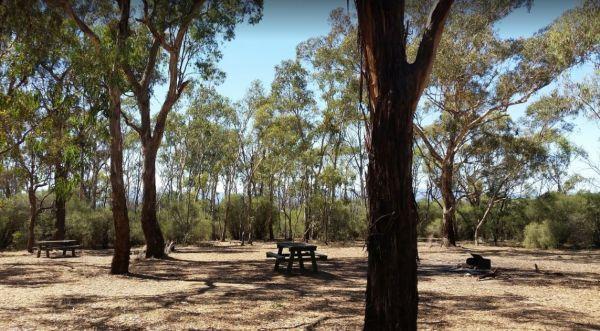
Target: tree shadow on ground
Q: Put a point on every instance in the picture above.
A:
(510, 306)
(31, 275)
(248, 293)
(230, 290)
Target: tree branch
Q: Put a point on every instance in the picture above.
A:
(150, 65)
(430, 147)
(429, 43)
(80, 23)
(187, 20)
(130, 122)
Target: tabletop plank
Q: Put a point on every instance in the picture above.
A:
(56, 241)
(296, 245)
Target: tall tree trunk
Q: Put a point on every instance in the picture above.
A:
(225, 218)
(155, 243)
(392, 270)
(228, 184)
(449, 204)
(120, 261)
(213, 210)
(61, 214)
(60, 203)
(93, 190)
(271, 234)
(33, 212)
(394, 88)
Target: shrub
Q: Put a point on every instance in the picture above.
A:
(434, 228)
(265, 213)
(185, 222)
(93, 228)
(14, 214)
(540, 235)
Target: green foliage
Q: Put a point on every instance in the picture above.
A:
(93, 228)
(540, 235)
(347, 221)
(232, 212)
(549, 221)
(265, 213)
(434, 228)
(185, 221)
(14, 213)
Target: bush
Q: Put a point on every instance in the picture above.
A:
(540, 235)
(434, 228)
(265, 213)
(93, 228)
(14, 215)
(185, 222)
(348, 221)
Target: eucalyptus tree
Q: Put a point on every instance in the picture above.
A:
(579, 98)
(496, 162)
(394, 87)
(32, 100)
(187, 32)
(251, 153)
(333, 62)
(287, 130)
(30, 155)
(201, 151)
(57, 97)
(104, 52)
(472, 83)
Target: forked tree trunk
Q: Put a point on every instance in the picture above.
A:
(394, 88)
(120, 261)
(155, 242)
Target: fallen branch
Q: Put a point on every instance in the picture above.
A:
(492, 274)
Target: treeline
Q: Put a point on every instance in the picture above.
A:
(184, 222)
(552, 220)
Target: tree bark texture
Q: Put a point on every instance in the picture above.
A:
(120, 261)
(155, 242)
(394, 87)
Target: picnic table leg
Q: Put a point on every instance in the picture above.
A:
(279, 251)
(291, 261)
(314, 261)
(47, 252)
(39, 253)
(300, 260)
(64, 252)
(73, 252)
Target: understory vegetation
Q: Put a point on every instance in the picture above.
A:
(552, 220)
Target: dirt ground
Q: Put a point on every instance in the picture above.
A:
(227, 286)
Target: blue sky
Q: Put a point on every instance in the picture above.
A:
(256, 50)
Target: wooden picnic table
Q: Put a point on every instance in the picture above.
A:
(61, 245)
(297, 251)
